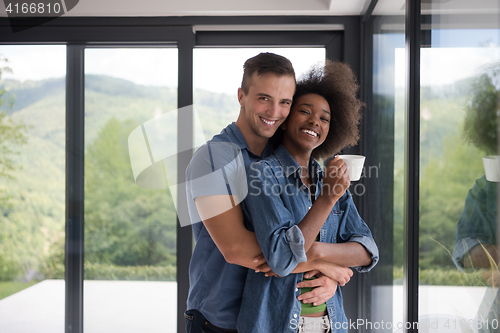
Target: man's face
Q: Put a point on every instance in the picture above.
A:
(266, 105)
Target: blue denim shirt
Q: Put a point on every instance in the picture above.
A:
(478, 222)
(215, 286)
(277, 201)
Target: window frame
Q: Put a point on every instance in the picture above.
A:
(81, 33)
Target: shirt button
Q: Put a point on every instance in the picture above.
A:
(294, 315)
(296, 289)
(309, 208)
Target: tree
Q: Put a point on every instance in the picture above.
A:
(481, 113)
(11, 133)
(125, 225)
(443, 188)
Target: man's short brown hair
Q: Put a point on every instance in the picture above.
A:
(264, 63)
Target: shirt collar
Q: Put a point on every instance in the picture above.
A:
(290, 166)
(235, 135)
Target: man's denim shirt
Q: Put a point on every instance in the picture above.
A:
(215, 286)
(277, 201)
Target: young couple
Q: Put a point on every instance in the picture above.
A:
(250, 221)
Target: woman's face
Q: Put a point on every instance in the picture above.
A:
(308, 123)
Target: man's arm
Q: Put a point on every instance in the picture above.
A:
(237, 244)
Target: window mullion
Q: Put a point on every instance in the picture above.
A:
(75, 149)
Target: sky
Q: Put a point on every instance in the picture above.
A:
(442, 66)
(220, 69)
(215, 69)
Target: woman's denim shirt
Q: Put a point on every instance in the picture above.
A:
(277, 201)
(478, 222)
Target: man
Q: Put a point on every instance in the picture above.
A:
(224, 247)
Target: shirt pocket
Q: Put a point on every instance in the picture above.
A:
(336, 216)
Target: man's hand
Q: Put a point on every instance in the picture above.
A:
(324, 289)
(263, 266)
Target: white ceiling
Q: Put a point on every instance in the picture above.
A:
(436, 7)
(140, 8)
(213, 7)
(216, 7)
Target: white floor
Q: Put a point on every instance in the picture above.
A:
(139, 307)
(441, 308)
(109, 307)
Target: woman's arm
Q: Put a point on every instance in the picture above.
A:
(284, 243)
(335, 184)
(349, 254)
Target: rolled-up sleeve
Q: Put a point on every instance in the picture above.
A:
(296, 241)
(477, 224)
(352, 228)
(371, 247)
(462, 247)
(280, 240)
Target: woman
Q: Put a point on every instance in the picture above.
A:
(282, 188)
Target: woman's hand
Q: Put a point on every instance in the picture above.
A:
(338, 273)
(335, 181)
(492, 278)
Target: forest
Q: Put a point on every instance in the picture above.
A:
(130, 232)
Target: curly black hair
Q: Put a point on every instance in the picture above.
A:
(335, 82)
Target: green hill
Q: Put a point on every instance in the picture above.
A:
(128, 226)
(125, 225)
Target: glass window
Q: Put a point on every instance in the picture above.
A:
(217, 76)
(130, 223)
(384, 181)
(459, 95)
(32, 187)
(459, 170)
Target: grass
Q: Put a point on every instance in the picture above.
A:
(8, 288)
(444, 277)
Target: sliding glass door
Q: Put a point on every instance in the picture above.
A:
(32, 188)
(130, 225)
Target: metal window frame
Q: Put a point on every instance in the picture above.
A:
(412, 163)
(412, 129)
(75, 153)
(339, 45)
(81, 33)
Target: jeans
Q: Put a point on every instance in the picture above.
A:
(197, 323)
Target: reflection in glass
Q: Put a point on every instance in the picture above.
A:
(458, 204)
(32, 188)
(130, 232)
